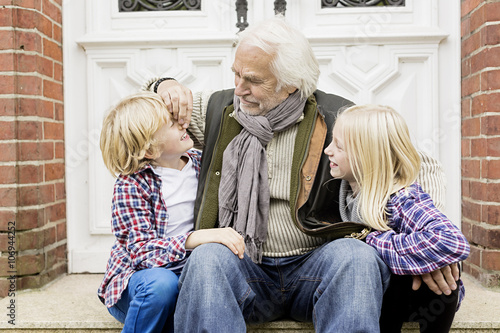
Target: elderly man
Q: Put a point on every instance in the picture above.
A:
(264, 174)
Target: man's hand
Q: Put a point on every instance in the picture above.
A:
(179, 100)
(227, 236)
(440, 281)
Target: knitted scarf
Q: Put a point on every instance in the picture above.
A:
(244, 195)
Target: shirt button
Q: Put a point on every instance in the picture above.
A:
(217, 173)
(177, 256)
(308, 178)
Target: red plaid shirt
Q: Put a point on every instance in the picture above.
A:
(139, 222)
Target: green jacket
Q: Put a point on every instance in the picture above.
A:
(313, 204)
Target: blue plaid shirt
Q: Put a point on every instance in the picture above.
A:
(422, 238)
(140, 222)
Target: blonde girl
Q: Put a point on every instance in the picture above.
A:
(371, 151)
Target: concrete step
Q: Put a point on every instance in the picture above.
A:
(70, 304)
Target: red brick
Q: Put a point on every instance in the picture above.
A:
(29, 85)
(58, 72)
(490, 125)
(490, 80)
(6, 17)
(471, 85)
(465, 188)
(478, 148)
(60, 191)
(56, 256)
(7, 130)
(471, 210)
(52, 50)
(465, 69)
(36, 195)
(471, 168)
(488, 57)
(466, 147)
(7, 62)
(492, 11)
(33, 151)
(28, 41)
(6, 39)
(471, 127)
(8, 197)
(491, 260)
(477, 191)
(493, 147)
(466, 107)
(7, 84)
(29, 130)
(33, 4)
(56, 212)
(30, 264)
(49, 236)
(7, 174)
(471, 44)
(477, 18)
(485, 237)
(31, 239)
(492, 192)
(53, 131)
(490, 169)
(8, 152)
(490, 35)
(45, 66)
(467, 6)
(58, 111)
(52, 90)
(61, 231)
(30, 174)
(52, 11)
(6, 217)
(36, 107)
(7, 106)
(26, 19)
(465, 27)
(54, 171)
(45, 26)
(57, 32)
(58, 150)
(485, 103)
(491, 214)
(28, 219)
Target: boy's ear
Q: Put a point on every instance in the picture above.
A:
(149, 155)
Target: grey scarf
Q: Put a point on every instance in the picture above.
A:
(244, 196)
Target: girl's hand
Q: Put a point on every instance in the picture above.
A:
(227, 236)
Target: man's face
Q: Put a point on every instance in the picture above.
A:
(254, 82)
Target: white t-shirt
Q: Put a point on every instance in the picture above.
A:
(178, 188)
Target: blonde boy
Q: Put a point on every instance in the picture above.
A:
(152, 212)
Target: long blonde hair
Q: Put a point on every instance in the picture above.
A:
(127, 132)
(382, 158)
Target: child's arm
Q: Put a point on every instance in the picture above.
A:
(227, 236)
(422, 239)
(133, 227)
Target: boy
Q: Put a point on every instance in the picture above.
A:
(152, 212)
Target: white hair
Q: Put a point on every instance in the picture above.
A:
(294, 63)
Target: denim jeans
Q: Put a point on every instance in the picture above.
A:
(339, 287)
(148, 302)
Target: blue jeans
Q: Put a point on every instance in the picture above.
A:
(148, 302)
(339, 287)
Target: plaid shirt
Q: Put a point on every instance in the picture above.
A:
(422, 238)
(139, 222)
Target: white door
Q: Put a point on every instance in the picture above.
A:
(407, 57)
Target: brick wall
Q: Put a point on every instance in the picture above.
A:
(32, 190)
(481, 137)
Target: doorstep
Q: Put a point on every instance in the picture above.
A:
(70, 304)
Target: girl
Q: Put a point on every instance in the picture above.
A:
(372, 153)
(152, 212)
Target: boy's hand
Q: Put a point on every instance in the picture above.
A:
(227, 236)
(439, 281)
(179, 100)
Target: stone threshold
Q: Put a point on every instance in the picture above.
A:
(70, 304)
